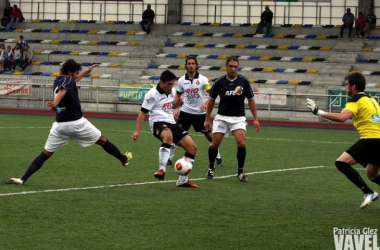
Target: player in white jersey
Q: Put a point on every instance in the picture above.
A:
(194, 88)
(160, 102)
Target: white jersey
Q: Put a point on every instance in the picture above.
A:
(194, 93)
(159, 105)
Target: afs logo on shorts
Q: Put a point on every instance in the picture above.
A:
(220, 126)
(238, 91)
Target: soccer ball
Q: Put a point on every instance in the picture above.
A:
(183, 166)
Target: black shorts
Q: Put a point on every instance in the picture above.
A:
(178, 132)
(366, 151)
(185, 120)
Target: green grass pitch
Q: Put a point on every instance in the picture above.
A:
(126, 208)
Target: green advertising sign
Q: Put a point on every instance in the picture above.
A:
(339, 98)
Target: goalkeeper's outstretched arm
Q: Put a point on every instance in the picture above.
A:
(338, 117)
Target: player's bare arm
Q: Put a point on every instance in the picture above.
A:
(87, 71)
(140, 120)
(52, 105)
(252, 106)
(210, 107)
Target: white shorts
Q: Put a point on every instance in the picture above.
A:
(81, 131)
(226, 124)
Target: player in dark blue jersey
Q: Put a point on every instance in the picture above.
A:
(70, 123)
(232, 89)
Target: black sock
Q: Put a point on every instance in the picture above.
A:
(353, 176)
(209, 139)
(34, 166)
(241, 152)
(376, 180)
(212, 153)
(188, 155)
(113, 150)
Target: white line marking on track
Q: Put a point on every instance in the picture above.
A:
(153, 182)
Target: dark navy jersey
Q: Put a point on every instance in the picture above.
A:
(69, 108)
(232, 95)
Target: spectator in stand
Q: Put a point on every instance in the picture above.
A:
(6, 15)
(27, 58)
(3, 55)
(266, 21)
(8, 60)
(348, 22)
(359, 25)
(16, 17)
(147, 18)
(370, 23)
(16, 56)
(22, 43)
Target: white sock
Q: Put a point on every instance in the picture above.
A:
(163, 155)
(173, 147)
(218, 156)
(183, 178)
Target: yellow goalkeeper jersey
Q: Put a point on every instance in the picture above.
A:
(366, 115)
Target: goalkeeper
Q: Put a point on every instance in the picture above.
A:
(365, 113)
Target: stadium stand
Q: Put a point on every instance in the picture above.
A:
(297, 58)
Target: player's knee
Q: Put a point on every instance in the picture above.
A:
(192, 149)
(372, 175)
(241, 144)
(340, 165)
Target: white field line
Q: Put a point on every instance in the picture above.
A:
(200, 135)
(152, 182)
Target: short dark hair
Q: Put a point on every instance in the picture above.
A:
(22, 36)
(167, 75)
(232, 58)
(70, 66)
(191, 58)
(356, 79)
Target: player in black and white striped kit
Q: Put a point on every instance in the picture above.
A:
(193, 87)
(159, 103)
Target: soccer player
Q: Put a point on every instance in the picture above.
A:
(232, 89)
(365, 113)
(70, 123)
(160, 102)
(193, 112)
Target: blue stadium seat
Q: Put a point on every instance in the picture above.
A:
(154, 78)
(228, 34)
(82, 21)
(186, 23)
(225, 24)
(361, 60)
(103, 53)
(153, 66)
(251, 46)
(46, 63)
(268, 35)
(307, 26)
(282, 82)
(212, 56)
(46, 21)
(46, 30)
(297, 59)
(170, 44)
(171, 55)
(27, 73)
(103, 43)
(83, 31)
(46, 74)
(210, 45)
(120, 22)
(64, 31)
(121, 33)
(311, 36)
(187, 34)
(254, 58)
(64, 41)
(86, 64)
(293, 47)
(279, 70)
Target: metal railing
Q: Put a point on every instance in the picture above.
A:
(98, 94)
(197, 11)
